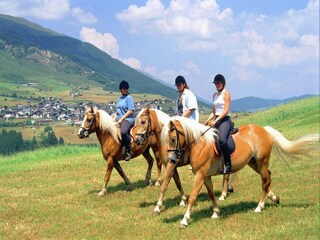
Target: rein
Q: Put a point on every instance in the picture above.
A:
(178, 151)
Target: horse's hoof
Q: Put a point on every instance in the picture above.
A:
(275, 199)
(149, 183)
(182, 203)
(128, 190)
(222, 198)
(258, 210)
(215, 216)
(183, 226)
(156, 213)
(157, 184)
(230, 189)
(101, 194)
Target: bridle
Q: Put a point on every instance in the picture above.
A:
(87, 131)
(178, 149)
(149, 132)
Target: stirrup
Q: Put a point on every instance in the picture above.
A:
(128, 155)
(225, 170)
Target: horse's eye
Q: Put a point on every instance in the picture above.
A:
(143, 122)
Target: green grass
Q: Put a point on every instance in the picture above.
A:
(52, 194)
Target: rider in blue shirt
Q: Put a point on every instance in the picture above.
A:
(124, 116)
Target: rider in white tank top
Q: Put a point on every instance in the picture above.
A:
(219, 104)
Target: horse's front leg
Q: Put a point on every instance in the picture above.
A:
(197, 184)
(118, 167)
(110, 165)
(169, 172)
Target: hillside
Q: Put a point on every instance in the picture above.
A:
(53, 194)
(30, 53)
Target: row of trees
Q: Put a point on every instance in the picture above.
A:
(12, 142)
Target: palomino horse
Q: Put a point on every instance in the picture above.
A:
(149, 122)
(109, 136)
(254, 145)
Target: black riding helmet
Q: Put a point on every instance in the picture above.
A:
(220, 78)
(179, 79)
(123, 84)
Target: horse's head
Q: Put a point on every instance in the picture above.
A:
(143, 126)
(176, 140)
(90, 123)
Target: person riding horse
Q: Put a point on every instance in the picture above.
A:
(124, 116)
(221, 115)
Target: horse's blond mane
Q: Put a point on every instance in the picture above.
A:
(193, 131)
(163, 118)
(108, 124)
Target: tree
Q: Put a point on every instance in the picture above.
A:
(61, 141)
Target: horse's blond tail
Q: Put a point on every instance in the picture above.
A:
(285, 149)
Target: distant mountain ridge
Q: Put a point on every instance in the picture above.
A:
(254, 103)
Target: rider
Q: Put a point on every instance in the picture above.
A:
(186, 102)
(124, 116)
(221, 115)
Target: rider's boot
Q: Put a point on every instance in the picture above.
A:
(227, 160)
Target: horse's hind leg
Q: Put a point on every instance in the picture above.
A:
(177, 181)
(224, 187)
(266, 182)
(150, 160)
(118, 167)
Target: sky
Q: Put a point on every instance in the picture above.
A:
(264, 48)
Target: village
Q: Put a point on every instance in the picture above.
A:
(51, 109)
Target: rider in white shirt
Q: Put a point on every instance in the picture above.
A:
(186, 102)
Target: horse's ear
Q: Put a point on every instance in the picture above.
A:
(147, 108)
(91, 109)
(171, 124)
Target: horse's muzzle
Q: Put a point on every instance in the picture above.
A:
(139, 140)
(172, 156)
(83, 133)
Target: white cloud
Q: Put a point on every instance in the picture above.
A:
(46, 10)
(36, 8)
(83, 17)
(132, 62)
(249, 40)
(105, 42)
(182, 17)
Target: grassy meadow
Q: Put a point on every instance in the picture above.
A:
(52, 194)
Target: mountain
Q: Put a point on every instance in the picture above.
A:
(37, 62)
(255, 103)
(31, 45)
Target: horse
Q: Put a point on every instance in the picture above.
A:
(109, 136)
(149, 122)
(254, 145)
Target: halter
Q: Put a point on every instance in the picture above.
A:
(87, 131)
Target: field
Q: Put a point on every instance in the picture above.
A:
(52, 194)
